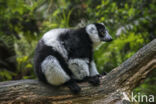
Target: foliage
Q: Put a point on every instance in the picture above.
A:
(118, 51)
(25, 51)
(16, 20)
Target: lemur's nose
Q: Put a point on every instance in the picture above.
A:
(108, 37)
(109, 40)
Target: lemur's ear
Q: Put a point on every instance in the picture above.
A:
(102, 24)
(91, 29)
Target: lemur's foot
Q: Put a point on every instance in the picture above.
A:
(94, 80)
(74, 88)
(103, 73)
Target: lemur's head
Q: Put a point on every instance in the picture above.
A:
(98, 33)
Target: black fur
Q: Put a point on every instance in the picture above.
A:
(77, 43)
(94, 80)
(101, 28)
(42, 51)
(73, 86)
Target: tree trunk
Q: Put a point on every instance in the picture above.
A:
(115, 87)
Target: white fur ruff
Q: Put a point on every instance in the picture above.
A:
(93, 33)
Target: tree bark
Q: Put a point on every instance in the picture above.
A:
(114, 88)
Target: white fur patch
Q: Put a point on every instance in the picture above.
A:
(51, 39)
(102, 24)
(79, 68)
(107, 37)
(54, 73)
(93, 69)
(93, 33)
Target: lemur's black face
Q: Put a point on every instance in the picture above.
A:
(102, 32)
(97, 32)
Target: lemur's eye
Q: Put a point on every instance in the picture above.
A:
(103, 33)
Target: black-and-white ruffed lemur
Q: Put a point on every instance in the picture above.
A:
(65, 56)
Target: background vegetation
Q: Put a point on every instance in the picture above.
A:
(22, 23)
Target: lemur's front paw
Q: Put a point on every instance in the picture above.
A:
(103, 73)
(94, 80)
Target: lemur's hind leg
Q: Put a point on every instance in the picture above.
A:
(55, 74)
(72, 85)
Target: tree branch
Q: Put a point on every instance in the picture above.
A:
(114, 88)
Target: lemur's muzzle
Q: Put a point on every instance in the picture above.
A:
(107, 37)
